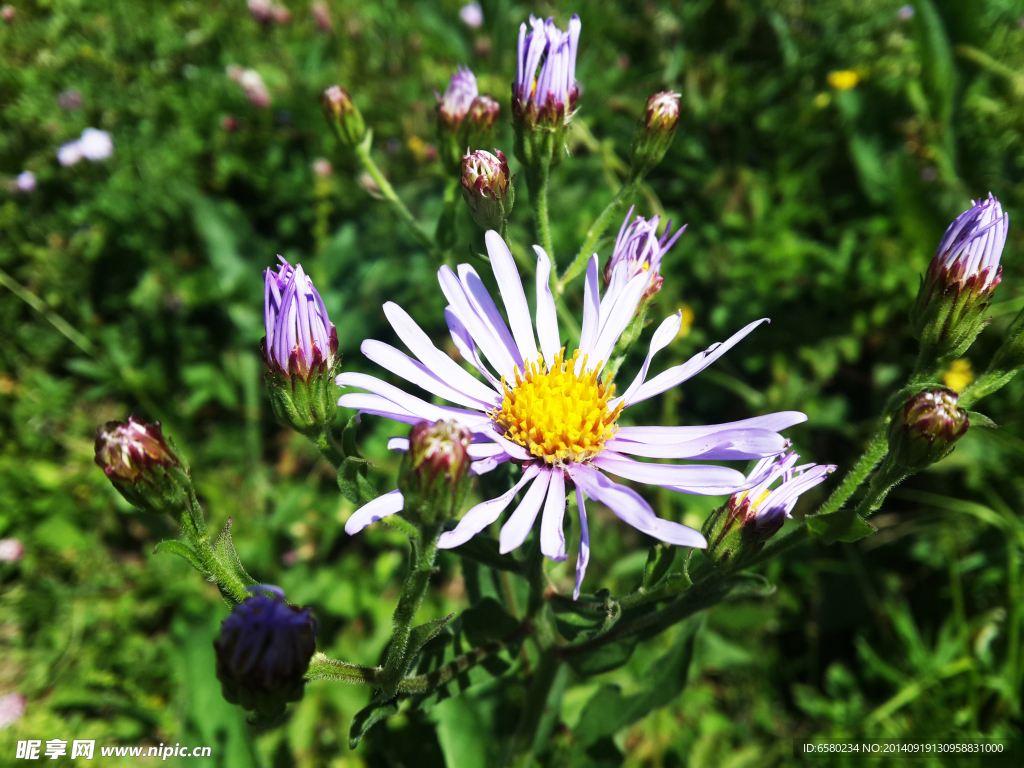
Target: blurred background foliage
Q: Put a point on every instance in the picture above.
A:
(823, 148)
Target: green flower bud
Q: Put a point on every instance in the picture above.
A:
(343, 116)
(487, 188)
(434, 475)
(655, 131)
(143, 467)
(924, 430)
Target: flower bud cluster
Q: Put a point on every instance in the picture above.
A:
(925, 429)
(299, 350)
(487, 188)
(434, 475)
(143, 467)
(343, 116)
(639, 249)
(464, 117)
(264, 650)
(955, 292)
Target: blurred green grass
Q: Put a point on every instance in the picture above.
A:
(814, 206)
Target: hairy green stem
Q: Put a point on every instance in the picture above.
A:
(421, 567)
(323, 668)
(329, 448)
(597, 229)
(363, 153)
(874, 453)
(539, 197)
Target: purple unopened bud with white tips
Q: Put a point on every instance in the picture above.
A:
(299, 350)
(955, 293)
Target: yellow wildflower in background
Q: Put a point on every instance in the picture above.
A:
(959, 375)
(843, 79)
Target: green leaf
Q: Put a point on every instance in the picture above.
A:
(604, 658)
(981, 420)
(659, 560)
(423, 634)
(487, 621)
(348, 438)
(845, 525)
(353, 483)
(369, 716)
(608, 711)
(184, 551)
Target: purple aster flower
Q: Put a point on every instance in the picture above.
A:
(458, 97)
(12, 707)
(11, 550)
(95, 144)
(640, 249)
(549, 412)
(70, 153)
(552, 91)
(472, 15)
(766, 507)
(69, 100)
(264, 649)
(25, 182)
(300, 336)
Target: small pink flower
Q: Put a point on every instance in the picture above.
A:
(322, 167)
(7, 13)
(322, 16)
(472, 15)
(11, 550)
(12, 707)
(70, 153)
(26, 182)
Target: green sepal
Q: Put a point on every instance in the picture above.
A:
(225, 555)
(845, 525)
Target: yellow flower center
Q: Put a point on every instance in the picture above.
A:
(557, 415)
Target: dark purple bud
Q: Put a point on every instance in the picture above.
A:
(487, 188)
(264, 650)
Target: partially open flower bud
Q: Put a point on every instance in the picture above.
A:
(143, 467)
(955, 293)
(434, 475)
(752, 517)
(925, 429)
(639, 249)
(487, 188)
(655, 132)
(545, 91)
(343, 116)
(458, 96)
(299, 350)
(263, 652)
